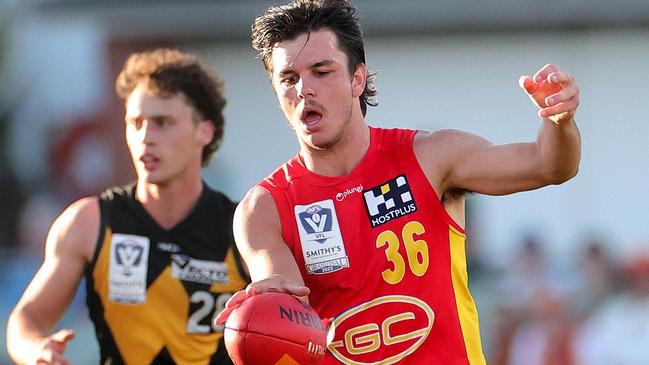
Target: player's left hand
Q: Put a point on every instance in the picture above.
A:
(554, 92)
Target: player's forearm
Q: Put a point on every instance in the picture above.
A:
(559, 150)
(24, 337)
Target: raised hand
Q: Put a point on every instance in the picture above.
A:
(554, 92)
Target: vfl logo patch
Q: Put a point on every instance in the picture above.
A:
(129, 256)
(322, 243)
(316, 220)
(388, 201)
(127, 268)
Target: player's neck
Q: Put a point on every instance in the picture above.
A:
(168, 204)
(341, 159)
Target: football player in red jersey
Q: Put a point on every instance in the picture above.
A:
(368, 223)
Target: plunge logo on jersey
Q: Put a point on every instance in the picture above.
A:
(322, 243)
(129, 257)
(186, 268)
(388, 201)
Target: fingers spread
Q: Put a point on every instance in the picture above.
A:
(223, 315)
(232, 303)
(237, 298)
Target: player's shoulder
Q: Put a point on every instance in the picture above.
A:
(76, 229)
(258, 203)
(258, 197)
(82, 210)
(447, 139)
(440, 135)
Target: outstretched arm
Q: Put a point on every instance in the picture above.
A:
(463, 161)
(258, 233)
(68, 249)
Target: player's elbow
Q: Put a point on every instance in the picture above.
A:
(13, 338)
(560, 174)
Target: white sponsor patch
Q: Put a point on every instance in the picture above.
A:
(322, 243)
(129, 257)
(186, 268)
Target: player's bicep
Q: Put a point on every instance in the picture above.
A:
(68, 249)
(497, 169)
(258, 234)
(456, 160)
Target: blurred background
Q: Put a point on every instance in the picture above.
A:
(560, 275)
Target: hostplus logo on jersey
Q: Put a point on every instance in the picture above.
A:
(389, 201)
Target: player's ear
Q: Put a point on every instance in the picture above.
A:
(205, 131)
(359, 77)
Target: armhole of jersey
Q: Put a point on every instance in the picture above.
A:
(439, 207)
(235, 250)
(283, 211)
(103, 213)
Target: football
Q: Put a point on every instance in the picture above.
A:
(275, 329)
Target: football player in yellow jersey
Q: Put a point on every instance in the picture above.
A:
(158, 254)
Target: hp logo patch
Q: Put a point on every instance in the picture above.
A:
(316, 220)
(390, 200)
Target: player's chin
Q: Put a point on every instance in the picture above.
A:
(320, 144)
(152, 178)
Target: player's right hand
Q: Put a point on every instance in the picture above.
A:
(52, 349)
(277, 283)
(270, 284)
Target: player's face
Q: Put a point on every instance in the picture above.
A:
(315, 88)
(163, 137)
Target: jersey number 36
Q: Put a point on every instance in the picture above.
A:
(416, 251)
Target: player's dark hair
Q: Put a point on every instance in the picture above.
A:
(287, 22)
(168, 71)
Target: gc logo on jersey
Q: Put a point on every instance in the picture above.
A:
(388, 201)
(322, 243)
(384, 330)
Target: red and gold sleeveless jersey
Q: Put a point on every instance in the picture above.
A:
(382, 258)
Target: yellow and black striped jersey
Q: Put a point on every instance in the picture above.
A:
(152, 292)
